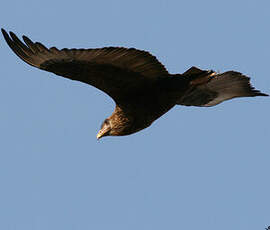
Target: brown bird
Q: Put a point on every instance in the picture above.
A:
(140, 85)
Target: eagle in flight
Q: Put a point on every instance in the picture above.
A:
(140, 85)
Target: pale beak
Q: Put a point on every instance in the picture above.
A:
(103, 132)
(99, 135)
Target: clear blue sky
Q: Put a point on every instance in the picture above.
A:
(194, 168)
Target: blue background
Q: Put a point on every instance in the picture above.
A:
(194, 168)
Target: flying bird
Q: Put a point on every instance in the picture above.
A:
(140, 85)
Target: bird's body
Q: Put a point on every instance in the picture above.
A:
(145, 106)
(140, 85)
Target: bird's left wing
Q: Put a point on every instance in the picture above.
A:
(116, 71)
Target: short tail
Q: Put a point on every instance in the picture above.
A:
(211, 89)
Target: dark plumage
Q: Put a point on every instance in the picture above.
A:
(140, 85)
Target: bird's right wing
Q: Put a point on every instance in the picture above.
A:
(116, 71)
(207, 88)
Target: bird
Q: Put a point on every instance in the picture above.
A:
(141, 87)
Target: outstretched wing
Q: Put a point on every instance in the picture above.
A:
(116, 71)
(207, 88)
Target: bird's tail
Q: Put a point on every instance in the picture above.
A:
(208, 88)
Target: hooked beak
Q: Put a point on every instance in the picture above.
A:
(103, 132)
(99, 135)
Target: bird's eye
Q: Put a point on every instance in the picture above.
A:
(105, 122)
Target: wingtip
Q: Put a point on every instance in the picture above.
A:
(6, 35)
(26, 39)
(258, 93)
(3, 31)
(264, 94)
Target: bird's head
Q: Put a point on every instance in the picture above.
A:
(106, 128)
(118, 124)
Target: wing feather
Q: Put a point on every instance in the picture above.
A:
(114, 70)
(207, 88)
